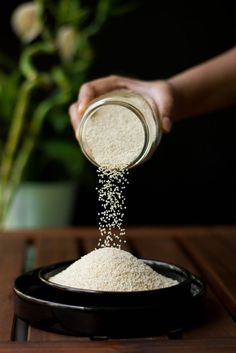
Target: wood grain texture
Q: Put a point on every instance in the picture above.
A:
(89, 244)
(12, 251)
(216, 260)
(208, 251)
(219, 323)
(131, 231)
(52, 250)
(127, 346)
(49, 251)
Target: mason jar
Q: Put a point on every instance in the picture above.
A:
(143, 109)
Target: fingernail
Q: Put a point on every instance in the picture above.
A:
(77, 133)
(81, 108)
(73, 113)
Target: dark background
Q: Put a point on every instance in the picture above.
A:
(191, 177)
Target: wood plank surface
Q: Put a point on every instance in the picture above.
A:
(89, 244)
(49, 251)
(216, 260)
(219, 323)
(131, 231)
(163, 249)
(208, 251)
(127, 346)
(12, 250)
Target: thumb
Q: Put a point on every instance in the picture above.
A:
(165, 113)
(166, 124)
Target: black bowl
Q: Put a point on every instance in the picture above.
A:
(110, 314)
(117, 298)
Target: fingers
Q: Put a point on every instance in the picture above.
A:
(162, 98)
(165, 107)
(96, 88)
(166, 124)
(86, 94)
(91, 90)
(159, 91)
(164, 113)
(74, 116)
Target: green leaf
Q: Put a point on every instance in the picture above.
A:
(9, 86)
(59, 120)
(70, 12)
(60, 83)
(67, 153)
(120, 8)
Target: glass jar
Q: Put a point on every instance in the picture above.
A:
(142, 108)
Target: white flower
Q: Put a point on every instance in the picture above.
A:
(26, 21)
(66, 42)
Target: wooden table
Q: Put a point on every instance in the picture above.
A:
(207, 251)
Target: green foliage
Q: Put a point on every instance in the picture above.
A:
(37, 89)
(66, 154)
(9, 83)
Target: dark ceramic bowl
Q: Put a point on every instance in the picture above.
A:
(111, 314)
(114, 298)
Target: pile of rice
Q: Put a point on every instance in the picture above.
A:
(111, 269)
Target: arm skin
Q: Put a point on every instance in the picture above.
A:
(198, 90)
(205, 87)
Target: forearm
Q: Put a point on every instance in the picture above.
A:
(205, 87)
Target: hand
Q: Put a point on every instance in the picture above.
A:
(160, 91)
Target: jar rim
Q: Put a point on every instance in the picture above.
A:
(99, 103)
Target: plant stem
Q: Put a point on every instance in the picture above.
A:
(102, 13)
(13, 141)
(28, 145)
(26, 64)
(15, 130)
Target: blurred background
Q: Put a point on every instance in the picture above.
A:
(191, 178)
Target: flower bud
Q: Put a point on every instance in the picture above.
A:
(66, 42)
(26, 21)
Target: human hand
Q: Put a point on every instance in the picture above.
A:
(160, 92)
